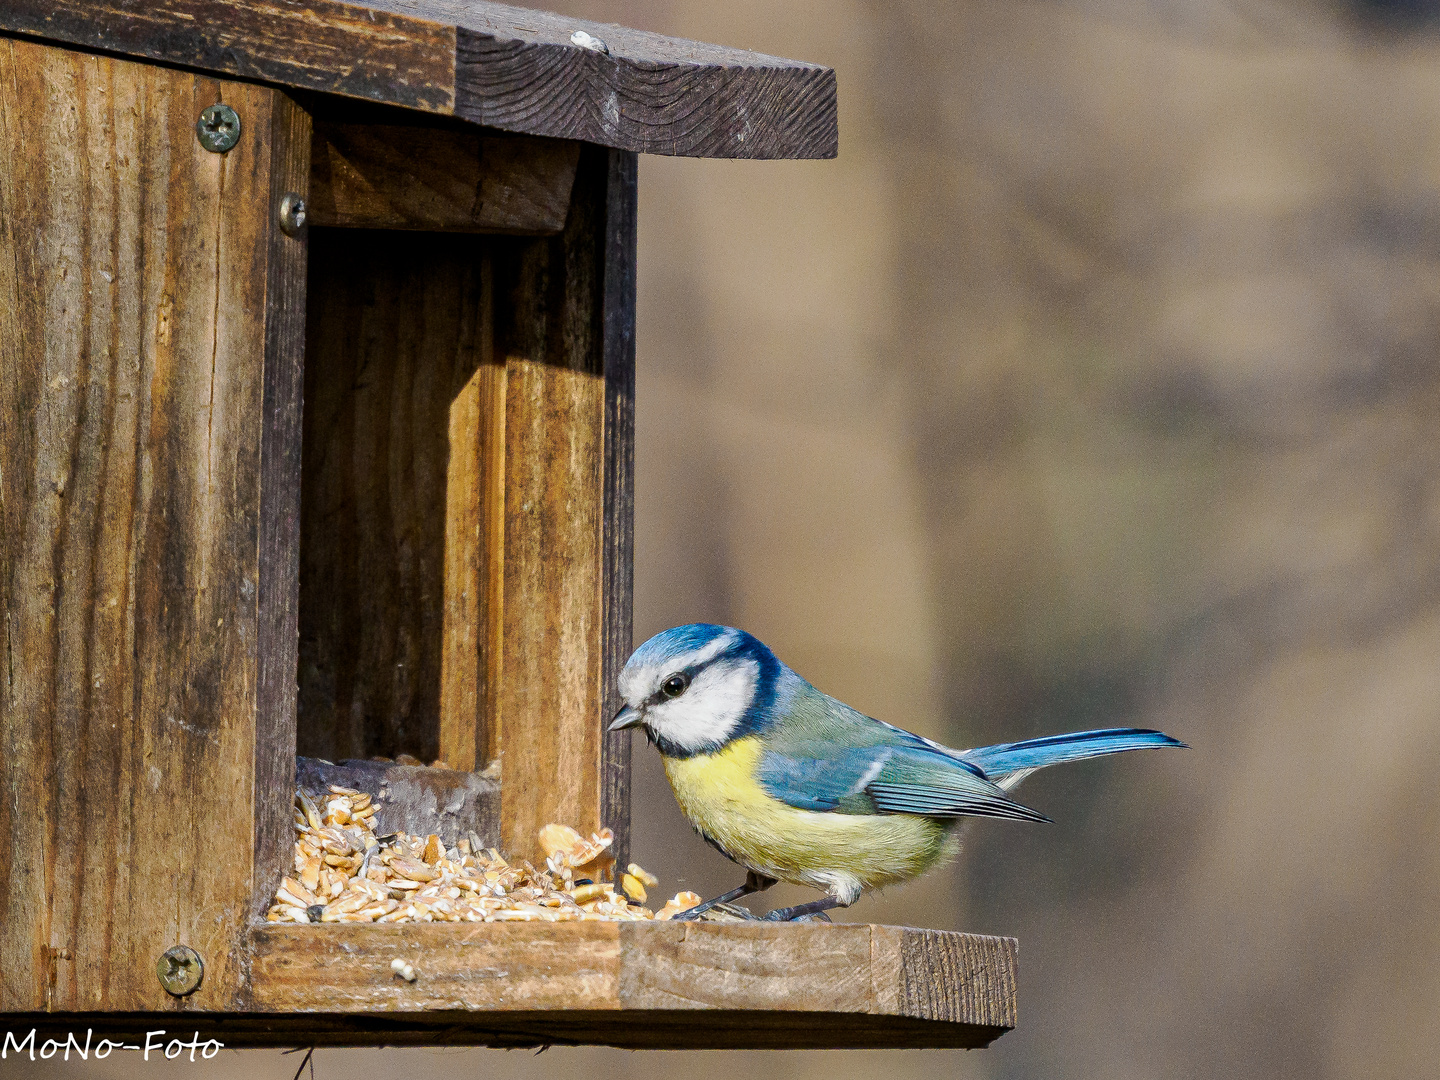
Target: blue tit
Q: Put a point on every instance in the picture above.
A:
(796, 786)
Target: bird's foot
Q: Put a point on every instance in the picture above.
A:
(726, 913)
(753, 883)
(813, 911)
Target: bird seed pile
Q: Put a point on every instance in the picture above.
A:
(345, 873)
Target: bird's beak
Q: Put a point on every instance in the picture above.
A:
(627, 717)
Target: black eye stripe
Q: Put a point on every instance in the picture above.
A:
(660, 696)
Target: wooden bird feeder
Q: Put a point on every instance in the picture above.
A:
(317, 324)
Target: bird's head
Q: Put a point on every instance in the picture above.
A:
(695, 688)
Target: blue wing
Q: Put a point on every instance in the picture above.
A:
(828, 757)
(885, 780)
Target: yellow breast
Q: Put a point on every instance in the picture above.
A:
(720, 795)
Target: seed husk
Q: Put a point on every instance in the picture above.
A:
(344, 873)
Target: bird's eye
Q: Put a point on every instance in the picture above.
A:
(675, 685)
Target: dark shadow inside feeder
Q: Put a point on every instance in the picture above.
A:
(395, 333)
(391, 621)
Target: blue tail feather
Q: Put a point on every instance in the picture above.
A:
(1004, 758)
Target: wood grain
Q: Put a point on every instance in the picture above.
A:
(473, 502)
(953, 977)
(143, 285)
(624, 984)
(756, 109)
(336, 48)
(278, 592)
(549, 333)
(395, 339)
(759, 967)
(618, 522)
(477, 966)
(394, 176)
(493, 64)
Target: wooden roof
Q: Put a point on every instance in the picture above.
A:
(501, 66)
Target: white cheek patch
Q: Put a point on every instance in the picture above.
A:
(708, 712)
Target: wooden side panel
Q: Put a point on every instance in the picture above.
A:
(618, 539)
(396, 393)
(550, 334)
(278, 587)
(136, 273)
(396, 176)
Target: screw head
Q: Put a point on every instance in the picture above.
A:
(218, 128)
(292, 214)
(180, 969)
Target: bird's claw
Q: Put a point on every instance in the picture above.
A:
(735, 911)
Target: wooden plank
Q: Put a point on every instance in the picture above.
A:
(935, 975)
(464, 673)
(958, 977)
(646, 96)
(492, 967)
(618, 524)
(335, 48)
(395, 176)
(396, 336)
(550, 335)
(489, 63)
(751, 967)
(410, 798)
(277, 641)
(134, 377)
(630, 984)
(474, 560)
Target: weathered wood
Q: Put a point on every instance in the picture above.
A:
(789, 968)
(337, 48)
(475, 966)
(956, 977)
(632, 984)
(396, 337)
(474, 539)
(474, 559)
(143, 286)
(411, 798)
(278, 590)
(550, 336)
(393, 176)
(651, 95)
(618, 524)
(501, 66)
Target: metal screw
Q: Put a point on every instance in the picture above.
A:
(292, 214)
(180, 969)
(218, 128)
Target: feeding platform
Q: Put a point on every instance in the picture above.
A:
(317, 334)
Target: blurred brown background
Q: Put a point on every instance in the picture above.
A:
(1095, 383)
